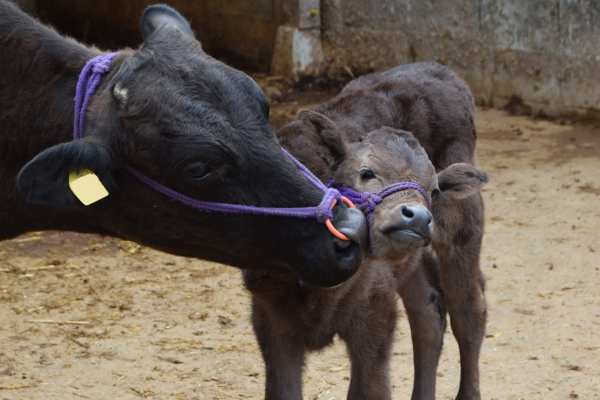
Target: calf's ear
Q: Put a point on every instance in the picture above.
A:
(158, 15)
(460, 181)
(325, 134)
(45, 179)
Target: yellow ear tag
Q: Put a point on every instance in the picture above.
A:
(86, 186)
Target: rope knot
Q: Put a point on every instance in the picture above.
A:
(369, 200)
(102, 66)
(324, 209)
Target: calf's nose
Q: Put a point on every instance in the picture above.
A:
(417, 219)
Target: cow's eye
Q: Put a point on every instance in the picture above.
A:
(435, 193)
(197, 171)
(366, 174)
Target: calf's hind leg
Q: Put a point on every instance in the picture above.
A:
(284, 359)
(464, 284)
(424, 304)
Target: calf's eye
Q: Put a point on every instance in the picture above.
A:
(366, 174)
(197, 171)
(435, 193)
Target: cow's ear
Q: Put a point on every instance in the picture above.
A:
(45, 179)
(323, 131)
(459, 181)
(158, 15)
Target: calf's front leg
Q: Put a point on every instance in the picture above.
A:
(284, 358)
(369, 338)
(424, 304)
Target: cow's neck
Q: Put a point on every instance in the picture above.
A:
(38, 75)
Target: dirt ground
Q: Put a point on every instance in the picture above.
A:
(89, 317)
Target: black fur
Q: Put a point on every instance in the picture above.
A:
(158, 15)
(160, 108)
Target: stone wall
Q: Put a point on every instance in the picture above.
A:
(545, 52)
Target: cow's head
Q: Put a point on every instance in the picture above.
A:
(402, 222)
(201, 128)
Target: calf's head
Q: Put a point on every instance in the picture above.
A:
(402, 222)
(201, 128)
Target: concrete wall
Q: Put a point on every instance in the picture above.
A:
(545, 52)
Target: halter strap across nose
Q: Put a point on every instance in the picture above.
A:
(90, 78)
(367, 201)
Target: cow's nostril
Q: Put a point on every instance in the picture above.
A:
(407, 212)
(340, 244)
(346, 250)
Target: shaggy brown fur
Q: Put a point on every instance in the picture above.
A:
(366, 128)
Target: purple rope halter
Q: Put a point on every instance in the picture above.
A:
(90, 78)
(367, 201)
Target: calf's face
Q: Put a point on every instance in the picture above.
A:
(401, 223)
(201, 128)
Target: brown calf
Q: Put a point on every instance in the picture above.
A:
(338, 140)
(290, 318)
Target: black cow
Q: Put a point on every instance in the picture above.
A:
(177, 115)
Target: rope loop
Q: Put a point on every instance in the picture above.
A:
(324, 211)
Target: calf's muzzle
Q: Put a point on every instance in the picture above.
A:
(409, 223)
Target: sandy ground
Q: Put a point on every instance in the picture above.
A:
(90, 317)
